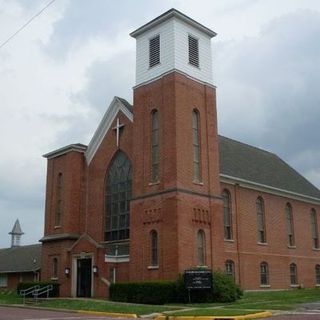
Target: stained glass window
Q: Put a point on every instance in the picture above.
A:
(118, 195)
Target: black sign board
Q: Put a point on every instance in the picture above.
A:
(198, 279)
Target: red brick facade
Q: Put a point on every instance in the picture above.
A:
(176, 207)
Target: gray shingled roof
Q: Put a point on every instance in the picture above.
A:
(20, 259)
(259, 166)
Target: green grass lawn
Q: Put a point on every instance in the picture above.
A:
(251, 302)
(9, 297)
(105, 306)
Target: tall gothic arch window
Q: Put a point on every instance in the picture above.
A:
(59, 200)
(264, 274)
(290, 227)
(196, 146)
(155, 146)
(54, 268)
(154, 248)
(229, 265)
(118, 195)
(261, 221)
(227, 215)
(201, 244)
(293, 274)
(314, 229)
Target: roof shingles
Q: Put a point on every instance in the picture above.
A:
(249, 163)
(20, 259)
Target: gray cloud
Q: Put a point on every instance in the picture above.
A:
(273, 81)
(84, 19)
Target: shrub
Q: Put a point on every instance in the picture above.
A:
(224, 288)
(26, 285)
(153, 292)
(160, 292)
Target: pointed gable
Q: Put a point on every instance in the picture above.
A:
(117, 104)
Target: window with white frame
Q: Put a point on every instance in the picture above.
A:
(3, 280)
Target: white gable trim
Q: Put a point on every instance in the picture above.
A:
(115, 106)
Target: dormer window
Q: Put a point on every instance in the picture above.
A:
(154, 51)
(193, 51)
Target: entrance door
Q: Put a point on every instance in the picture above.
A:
(84, 273)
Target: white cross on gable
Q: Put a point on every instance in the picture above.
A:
(117, 129)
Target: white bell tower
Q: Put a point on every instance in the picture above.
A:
(173, 42)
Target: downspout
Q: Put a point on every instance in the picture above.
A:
(236, 188)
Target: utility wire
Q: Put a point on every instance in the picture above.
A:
(27, 23)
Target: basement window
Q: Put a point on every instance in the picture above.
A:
(154, 51)
(193, 51)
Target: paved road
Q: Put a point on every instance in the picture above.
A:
(9, 313)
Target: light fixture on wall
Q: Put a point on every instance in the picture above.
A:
(67, 271)
(95, 269)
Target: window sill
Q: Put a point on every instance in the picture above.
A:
(229, 240)
(54, 278)
(153, 267)
(292, 247)
(316, 249)
(57, 227)
(262, 243)
(317, 285)
(265, 286)
(294, 285)
(199, 183)
(154, 183)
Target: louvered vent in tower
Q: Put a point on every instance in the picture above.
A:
(193, 51)
(154, 51)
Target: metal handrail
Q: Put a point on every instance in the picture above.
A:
(40, 291)
(29, 291)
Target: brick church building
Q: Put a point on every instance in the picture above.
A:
(158, 191)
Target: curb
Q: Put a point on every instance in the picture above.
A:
(108, 314)
(265, 314)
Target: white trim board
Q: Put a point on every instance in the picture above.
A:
(269, 189)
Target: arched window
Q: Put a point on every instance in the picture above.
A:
(317, 269)
(155, 159)
(118, 196)
(264, 274)
(201, 243)
(54, 268)
(196, 146)
(261, 221)
(314, 228)
(59, 200)
(290, 228)
(227, 218)
(229, 265)
(154, 248)
(293, 274)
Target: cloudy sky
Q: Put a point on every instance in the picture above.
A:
(59, 74)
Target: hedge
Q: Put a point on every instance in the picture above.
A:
(41, 284)
(155, 292)
(160, 292)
